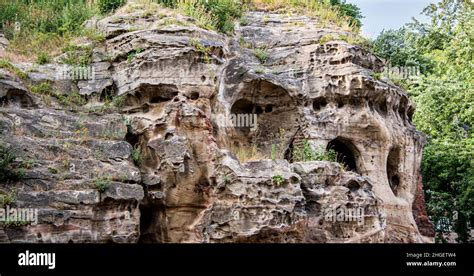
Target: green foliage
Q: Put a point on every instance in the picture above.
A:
(261, 54)
(43, 58)
(350, 10)
(305, 153)
(78, 55)
(42, 25)
(5, 64)
(132, 54)
(43, 88)
(108, 6)
(7, 199)
(278, 179)
(7, 170)
(102, 183)
(209, 14)
(137, 156)
(444, 96)
(400, 48)
(14, 223)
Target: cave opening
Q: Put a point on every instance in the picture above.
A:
(344, 153)
(150, 224)
(392, 170)
(272, 112)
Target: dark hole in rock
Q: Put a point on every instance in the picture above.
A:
(410, 113)
(268, 108)
(151, 230)
(319, 103)
(393, 160)
(131, 138)
(340, 103)
(203, 78)
(107, 93)
(383, 107)
(294, 179)
(148, 93)
(344, 153)
(17, 97)
(158, 99)
(194, 96)
(168, 136)
(258, 110)
(353, 185)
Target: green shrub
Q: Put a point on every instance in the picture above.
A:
(5, 64)
(278, 179)
(102, 183)
(306, 153)
(261, 54)
(107, 6)
(210, 14)
(43, 58)
(43, 88)
(7, 199)
(7, 171)
(137, 156)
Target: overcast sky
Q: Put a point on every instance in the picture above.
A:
(389, 14)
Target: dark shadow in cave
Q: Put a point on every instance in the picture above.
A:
(150, 224)
(344, 153)
(392, 170)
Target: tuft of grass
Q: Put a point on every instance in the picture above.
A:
(5, 64)
(261, 54)
(102, 183)
(108, 6)
(132, 54)
(43, 58)
(78, 55)
(306, 153)
(41, 25)
(326, 38)
(7, 199)
(7, 169)
(278, 179)
(260, 70)
(43, 88)
(137, 156)
(216, 15)
(327, 12)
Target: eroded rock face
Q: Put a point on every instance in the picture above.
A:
(176, 80)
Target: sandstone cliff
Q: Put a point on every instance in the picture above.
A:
(161, 167)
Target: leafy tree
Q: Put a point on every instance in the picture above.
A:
(445, 107)
(350, 10)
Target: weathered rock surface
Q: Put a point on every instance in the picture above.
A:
(187, 186)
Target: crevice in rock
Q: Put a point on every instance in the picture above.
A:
(393, 160)
(152, 229)
(148, 94)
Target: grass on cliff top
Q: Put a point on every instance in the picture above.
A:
(39, 29)
(220, 15)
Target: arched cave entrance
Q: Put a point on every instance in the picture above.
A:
(392, 170)
(345, 153)
(273, 111)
